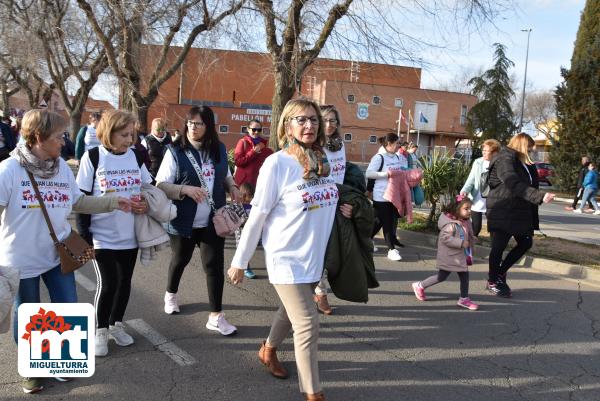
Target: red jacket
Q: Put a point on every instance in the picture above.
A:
(247, 161)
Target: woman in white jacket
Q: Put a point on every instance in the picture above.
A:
(490, 149)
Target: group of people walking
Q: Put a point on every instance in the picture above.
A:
(291, 214)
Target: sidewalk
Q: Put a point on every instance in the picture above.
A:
(563, 269)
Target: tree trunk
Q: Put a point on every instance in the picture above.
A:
(284, 91)
(431, 216)
(74, 124)
(5, 97)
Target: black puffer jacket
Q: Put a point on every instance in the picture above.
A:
(512, 204)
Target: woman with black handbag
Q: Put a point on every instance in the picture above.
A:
(195, 175)
(23, 222)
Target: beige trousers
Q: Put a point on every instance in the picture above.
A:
(299, 312)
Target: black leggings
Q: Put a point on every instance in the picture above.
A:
(443, 275)
(476, 220)
(114, 269)
(387, 217)
(212, 257)
(499, 267)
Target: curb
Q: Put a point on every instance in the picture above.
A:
(563, 269)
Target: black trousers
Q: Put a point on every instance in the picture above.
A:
(114, 269)
(577, 198)
(443, 275)
(387, 218)
(499, 267)
(477, 221)
(212, 257)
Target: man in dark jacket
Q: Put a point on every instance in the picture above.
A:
(7, 141)
(156, 143)
(585, 161)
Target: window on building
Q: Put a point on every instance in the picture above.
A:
(464, 110)
(376, 100)
(350, 98)
(372, 138)
(244, 130)
(398, 102)
(348, 137)
(223, 129)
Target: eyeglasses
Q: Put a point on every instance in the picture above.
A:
(302, 120)
(331, 121)
(195, 124)
(255, 129)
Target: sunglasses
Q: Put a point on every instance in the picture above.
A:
(255, 129)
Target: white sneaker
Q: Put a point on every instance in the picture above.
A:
(101, 342)
(118, 333)
(221, 325)
(171, 305)
(393, 254)
(597, 212)
(577, 211)
(375, 249)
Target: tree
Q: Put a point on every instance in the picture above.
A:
(297, 31)
(8, 87)
(492, 116)
(540, 110)
(163, 22)
(71, 56)
(578, 101)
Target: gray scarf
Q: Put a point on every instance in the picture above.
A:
(40, 168)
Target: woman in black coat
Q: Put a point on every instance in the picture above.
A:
(512, 208)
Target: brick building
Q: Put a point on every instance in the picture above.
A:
(238, 86)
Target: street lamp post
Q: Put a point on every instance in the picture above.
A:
(524, 79)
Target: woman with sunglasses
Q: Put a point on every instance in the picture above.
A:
(250, 154)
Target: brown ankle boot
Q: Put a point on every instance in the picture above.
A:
(323, 304)
(315, 397)
(268, 356)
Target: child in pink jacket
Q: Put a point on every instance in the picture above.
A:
(454, 252)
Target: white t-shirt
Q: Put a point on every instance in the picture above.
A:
(117, 175)
(337, 164)
(168, 173)
(390, 162)
(299, 219)
(90, 140)
(478, 201)
(25, 241)
(403, 160)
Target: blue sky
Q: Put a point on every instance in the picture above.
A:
(554, 26)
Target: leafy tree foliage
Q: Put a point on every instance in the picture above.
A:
(493, 116)
(578, 102)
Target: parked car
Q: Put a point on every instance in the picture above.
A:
(545, 172)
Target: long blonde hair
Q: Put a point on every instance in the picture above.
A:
(293, 107)
(521, 143)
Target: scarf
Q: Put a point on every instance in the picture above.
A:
(334, 143)
(256, 140)
(40, 168)
(160, 140)
(313, 159)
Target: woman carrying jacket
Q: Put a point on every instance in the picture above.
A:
(384, 162)
(512, 208)
(25, 242)
(193, 171)
(295, 218)
(490, 149)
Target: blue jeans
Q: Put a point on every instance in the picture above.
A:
(589, 194)
(61, 288)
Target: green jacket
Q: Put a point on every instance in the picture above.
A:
(355, 177)
(349, 255)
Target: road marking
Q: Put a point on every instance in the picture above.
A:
(178, 355)
(85, 282)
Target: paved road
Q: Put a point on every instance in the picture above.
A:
(541, 345)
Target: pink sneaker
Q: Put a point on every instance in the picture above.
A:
(419, 291)
(467, 303)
